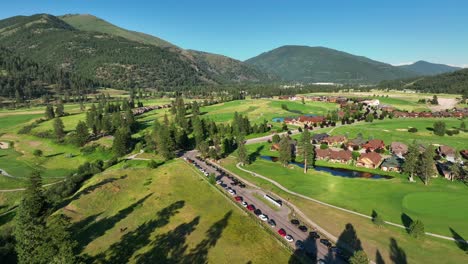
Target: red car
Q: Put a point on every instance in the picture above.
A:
(250, 207)
(282, 232)
(238, 198)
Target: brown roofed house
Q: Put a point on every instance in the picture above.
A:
(447, 152)
(334, 140)
(369, 160)
(275, 147)
(398, 148)
(341, 156)
(355, 144)
(374, 144)
(322, 154)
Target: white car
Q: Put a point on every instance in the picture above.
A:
(232, 192)
(321, 261)
(263, 217)
(219, 182)
(245, 204)
(289, 238)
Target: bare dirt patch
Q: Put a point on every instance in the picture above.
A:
(4, 145)
(444, 103)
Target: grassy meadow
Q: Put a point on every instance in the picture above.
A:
(165, 215)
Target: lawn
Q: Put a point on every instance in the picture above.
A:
(166, 215)
(391, 243)
(259, 110)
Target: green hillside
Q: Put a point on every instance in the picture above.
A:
(319, 64)
(91, 23)
(220, 68)
(454, 82)
(108, 59)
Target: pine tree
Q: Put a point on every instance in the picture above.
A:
(306, 150)
(416, 229)
(59, 110)
(242, 155)
(122, 141)
(439, 128)
(359, 257)
(411, 160)
(60, 242)
(30, 223)
(426, 165)
(195, 108)
(164, 143)
(285, 151)
(81, 133)
(49, 112)
(59, 128)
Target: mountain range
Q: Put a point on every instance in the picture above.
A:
(96, 50)
(320, 64)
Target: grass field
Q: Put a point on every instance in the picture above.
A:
(259, 110)
(170, 215)
(387, 197)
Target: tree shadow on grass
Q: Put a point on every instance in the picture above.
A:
(406, 220)
(90, 228)
(200, 253)
(54, 155)
(459, 240)
(171, 247)
(397, 254)
(254, 155)
(349, 240)
(123, 250)
(379, 258)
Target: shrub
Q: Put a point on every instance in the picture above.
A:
(412, 130)
(152, 164)
(416, 229)
(88, 149)
(37, 152)
(323, 146)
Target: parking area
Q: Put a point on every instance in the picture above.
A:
(270, 212)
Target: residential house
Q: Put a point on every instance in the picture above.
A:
(336, 156)
(355, 144)
(340, 156)
(275, 147)
(464, 153)
(374, 102)
(369, 160)
(334, 140)
(392, 163)
(399, 149)
(374, 144)
(447, 152)
(387, 108)
(317, 138)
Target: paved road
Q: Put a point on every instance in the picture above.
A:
(280, 215)
(266, 138)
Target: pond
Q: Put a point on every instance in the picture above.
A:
(336, 171)
(281, 119)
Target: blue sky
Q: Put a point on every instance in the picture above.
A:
(397, 31)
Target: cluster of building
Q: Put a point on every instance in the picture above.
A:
(457, 113)
(373, 153)
(144, 109)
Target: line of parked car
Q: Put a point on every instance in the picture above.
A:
(251, 207)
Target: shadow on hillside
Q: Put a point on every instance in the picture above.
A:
(7, 218)
(91, 228)
(306, 255)
(459, 240)
(123, 250)
(171, 247)
(254, 155)
(397, 254)
(379, 258)
(406, 220)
